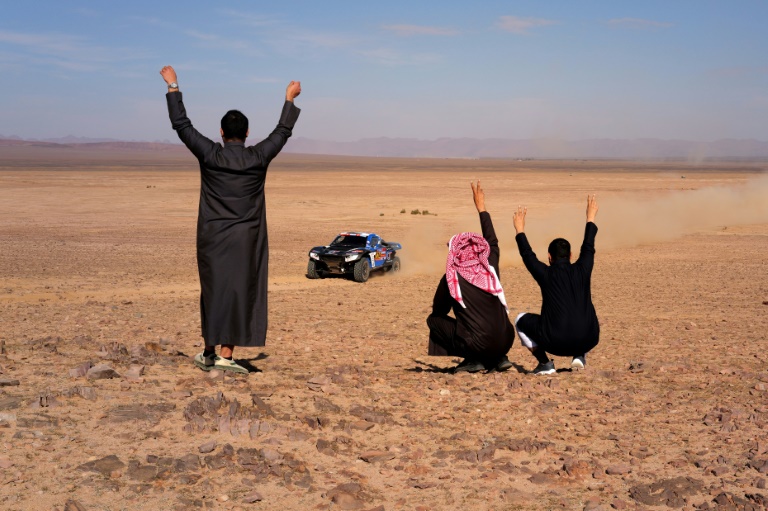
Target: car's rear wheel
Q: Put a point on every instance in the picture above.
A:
(312, 271)
(395, 264)
(362, 270)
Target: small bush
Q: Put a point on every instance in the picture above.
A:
(402, 211)
(381, 214)
(415, 212)
(425, 212)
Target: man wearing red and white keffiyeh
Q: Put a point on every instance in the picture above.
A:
(468, 256)
(481, 332)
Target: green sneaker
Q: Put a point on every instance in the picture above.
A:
(224, 364)
(205, 362)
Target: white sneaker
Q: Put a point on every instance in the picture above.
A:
(579, 362)
(224, 364)
(205, 362)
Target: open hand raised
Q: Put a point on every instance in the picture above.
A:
(478, 195)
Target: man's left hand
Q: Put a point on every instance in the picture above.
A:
(479, 196)
(293, 90)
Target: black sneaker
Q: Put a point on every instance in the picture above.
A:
(469, 366)
(579, 362)
(504, 364)
(548, 368)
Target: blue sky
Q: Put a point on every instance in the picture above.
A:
(695, 70)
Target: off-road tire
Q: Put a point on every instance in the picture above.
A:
(312, 271)
(395, 265)
(362, 270)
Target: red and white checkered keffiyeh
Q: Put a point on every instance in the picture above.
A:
(468, 256)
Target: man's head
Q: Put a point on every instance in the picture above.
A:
(234, 126)
(559, 250)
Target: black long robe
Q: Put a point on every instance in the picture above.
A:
(232, 245)
(483, 332)
(568, 325)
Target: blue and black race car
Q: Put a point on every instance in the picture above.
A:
(353, 253)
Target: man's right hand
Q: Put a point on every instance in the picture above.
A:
(168, 74)
(518, 219)
(591, 208)
(293, 90)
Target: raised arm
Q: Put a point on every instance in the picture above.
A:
(587, 253)
(268, 148)
(536, 268)
(489, 233)
(195, 142)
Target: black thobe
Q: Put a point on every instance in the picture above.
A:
(568, 323)
(232, 247)
(481, 332)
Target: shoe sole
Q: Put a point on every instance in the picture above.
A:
(548, 371)
(203, 366)
(577, 364)
(503, 368)
(241, 370)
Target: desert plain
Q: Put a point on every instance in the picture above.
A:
(343, 409)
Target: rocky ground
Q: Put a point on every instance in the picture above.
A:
(102, 409)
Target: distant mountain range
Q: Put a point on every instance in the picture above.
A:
(645, 148)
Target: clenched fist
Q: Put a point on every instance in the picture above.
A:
(293, 90)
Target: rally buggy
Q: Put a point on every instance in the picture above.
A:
(354, 253)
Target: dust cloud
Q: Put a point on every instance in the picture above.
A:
(623, 222)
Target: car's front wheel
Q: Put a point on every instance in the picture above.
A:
(312, 271)
(362, 270)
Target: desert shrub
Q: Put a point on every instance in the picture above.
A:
(425, 212)
(381, 214)
(415, 212)
(402, 211)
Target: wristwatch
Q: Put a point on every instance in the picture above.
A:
(173, 85)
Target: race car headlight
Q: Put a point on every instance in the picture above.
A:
(314, 256)
(353, 257)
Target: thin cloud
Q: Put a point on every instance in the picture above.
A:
(216, 42)
(249, 19)
(410, 30)
(66, 51)
(638, 23)
(518, 25)
(390, 57)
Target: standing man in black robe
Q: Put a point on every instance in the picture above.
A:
(480, 332)
(232, 246)
(567, 325)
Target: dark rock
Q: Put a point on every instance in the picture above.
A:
(81, 370)
(101, 372)
(105, 466)
(326, 447)
(38, 421)
(152, 412)
(618, 469)
(324, 405)
(143, 473)
(668, 492)
(8, 382)
(262, 406)
(252, 497)
(10, 402)
(73, 505)
(207, 447)
(376, 456)
(347, 501)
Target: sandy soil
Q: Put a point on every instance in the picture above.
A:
(343, 409)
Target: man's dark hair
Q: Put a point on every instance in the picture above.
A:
(560, 250)
(235, 125)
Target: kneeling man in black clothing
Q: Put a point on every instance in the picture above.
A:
(480, 332)
(567, 325)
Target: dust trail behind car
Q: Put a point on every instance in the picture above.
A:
(623, 222)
